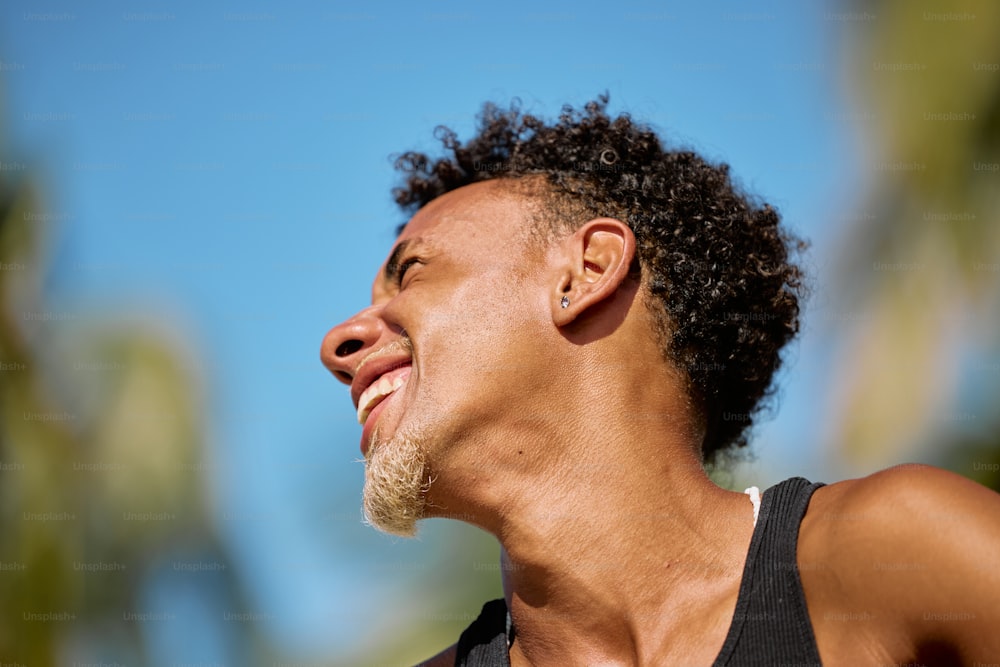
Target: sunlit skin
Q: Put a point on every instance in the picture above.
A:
(565, 433)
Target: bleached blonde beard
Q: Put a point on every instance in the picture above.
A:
(396, 483)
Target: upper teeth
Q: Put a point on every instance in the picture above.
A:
(375, 393)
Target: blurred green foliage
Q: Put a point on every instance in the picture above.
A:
(101, 441)
(919, 270)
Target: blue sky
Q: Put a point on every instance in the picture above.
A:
(226, 169)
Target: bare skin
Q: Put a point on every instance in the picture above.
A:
(563, 432)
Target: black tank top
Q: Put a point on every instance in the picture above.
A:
(770, 623)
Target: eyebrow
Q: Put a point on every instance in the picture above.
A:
(392, 266)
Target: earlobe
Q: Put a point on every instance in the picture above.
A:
(598, 257)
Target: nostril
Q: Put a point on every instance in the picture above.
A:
(349, 347)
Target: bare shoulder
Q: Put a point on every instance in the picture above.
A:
(445, 658)
(906, 557)
(903, 506)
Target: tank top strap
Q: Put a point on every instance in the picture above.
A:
(484, 642)
(771, 622)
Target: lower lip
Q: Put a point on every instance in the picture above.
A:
(369, 426)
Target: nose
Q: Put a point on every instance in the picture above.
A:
(345, 345)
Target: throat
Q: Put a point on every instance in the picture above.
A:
(660, 584)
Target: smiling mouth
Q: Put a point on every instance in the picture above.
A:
(378, 391)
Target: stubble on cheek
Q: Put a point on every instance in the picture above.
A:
(396, 484)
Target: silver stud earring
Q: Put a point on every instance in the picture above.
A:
(564, 302)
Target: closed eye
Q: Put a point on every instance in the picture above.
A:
(403, 268)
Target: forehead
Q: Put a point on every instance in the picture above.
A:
(491, 208)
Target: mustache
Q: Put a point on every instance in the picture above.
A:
(401, 344)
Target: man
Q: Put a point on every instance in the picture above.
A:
(573, 321)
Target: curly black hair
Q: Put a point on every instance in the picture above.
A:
(719, 271)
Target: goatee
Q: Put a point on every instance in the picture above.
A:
(396, 484)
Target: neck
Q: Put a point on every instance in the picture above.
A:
(605, 568)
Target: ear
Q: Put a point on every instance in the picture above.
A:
(595, 262)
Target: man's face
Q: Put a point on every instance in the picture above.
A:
(437, 363)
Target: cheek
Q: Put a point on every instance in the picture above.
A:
(478, 329)
(465, 352)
